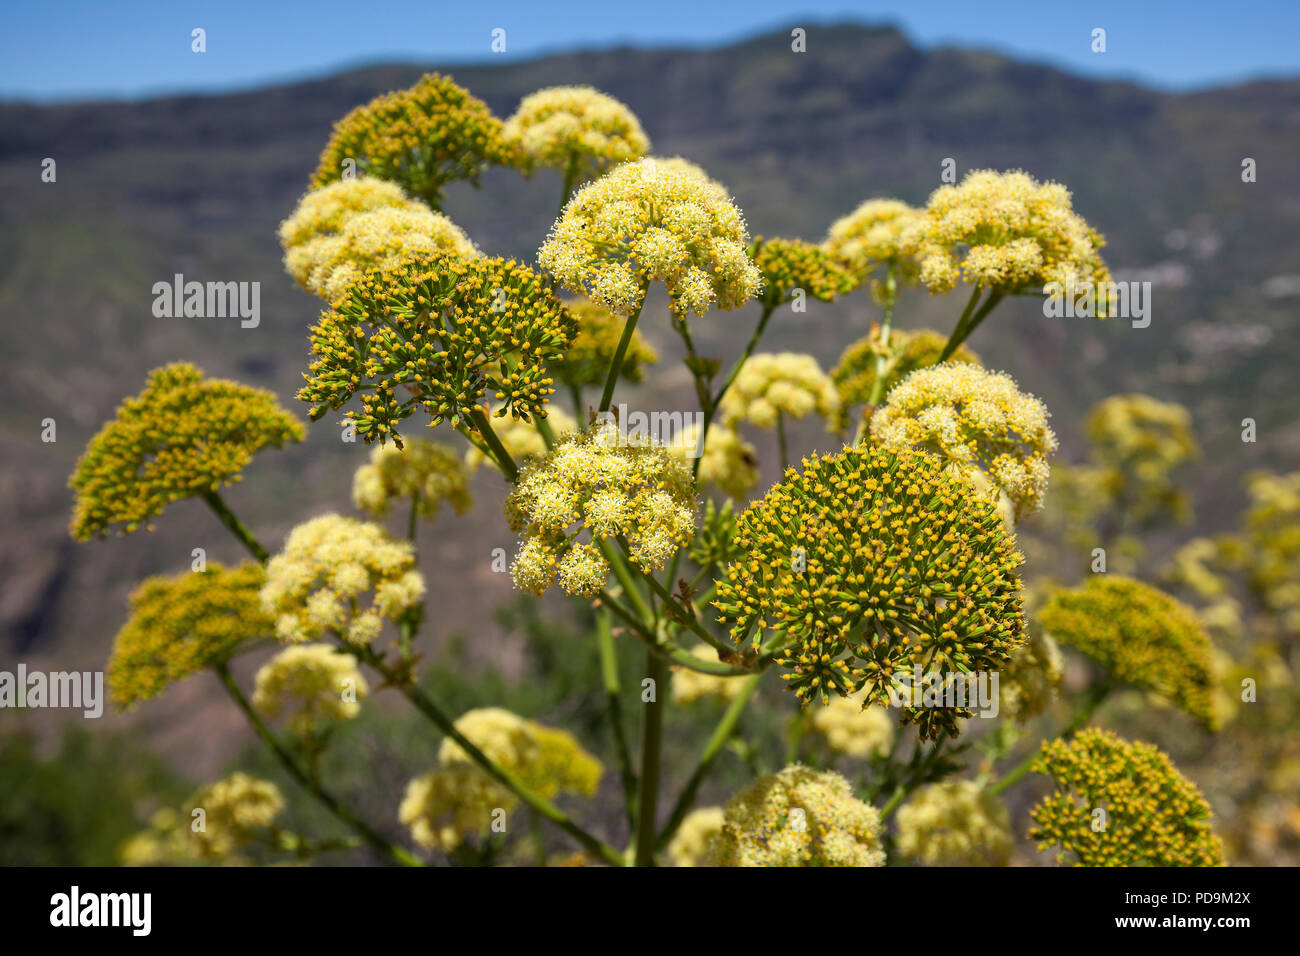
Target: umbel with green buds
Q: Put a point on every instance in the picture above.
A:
(893, 553)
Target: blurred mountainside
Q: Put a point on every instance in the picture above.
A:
(198, 184)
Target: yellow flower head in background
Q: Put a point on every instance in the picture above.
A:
(852, 730)
(955, 823)
(653, 220)
(790, 264)
(692, 844)
(1141, 636)
(236, 811)
(1139, 442)
(317, 584)
(727, 461)
(329, 264)
(855, 375)
(599, 331)
(323, 212)
(420, 138)
(446, 806)
(871, 561)
(1030, 682)
(871, 237)
(772, 385)
(448, 333)
(1273, 543)
(314, 684)
(574, 128)
(422, 474)
(522, 439)
(183, 624)
(181, 437)
(690, 686)
(1153, 815)
(799, 817)
(1006, 232)
(978, 421)
(594, 482)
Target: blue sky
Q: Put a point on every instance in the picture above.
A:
(71, 49)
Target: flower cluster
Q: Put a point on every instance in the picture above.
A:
(424, 474)
(727, 460)
(955, 823)
(314, 684)
(850, 729)
(790, 264)
(422, 138)
(456, 800)
(799, 817)
(599, 331)
(1273, 539)
(330, 263)
(855, 375)
(871, 236)
(647, 221)
(691, 685)
(183, 436)
(871, 561)
(449, 332)
(522, 439)
(772, 385)
(181, 625)
(692, 844)
(316, 584)
(235, 812)
(1150, 814)
(1140, 635)
(1030, 682)
(641, 493)
(1139, 442)
(977, 420)
(322, 212)
(1005, 232)
(574, 128)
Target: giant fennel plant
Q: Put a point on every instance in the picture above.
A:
(889, 556)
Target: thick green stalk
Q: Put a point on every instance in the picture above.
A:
(499, 452)
(969, 321)
(236, 527)
(651, 751)
(620, 353)
(328, 800)
(666, 649)
(614, 708)
(886, 327)
(1082, 716)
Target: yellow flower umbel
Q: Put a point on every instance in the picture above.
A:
(1141, 636)
(1153, 815)
(1006, 233)
(422, 474)
(871, 561)
(852, 730)
(183, 624)
(183, 436)
(727, 462)
(799, 817)
(591, 483)
(775, 385)
(690, 686)
(316, 585)
(855, 375)
(978, 421)
(870, 238)
(449, 333)
(322, 212)
(236, 811)
(955, 823)
(315, 685)
(692, 844)
(599, 331)
(421, 138)
(328, 265)
(648, 221)
(522, 439)
(790, 264)
(446, 806)
(575, 129)
(1273, 544)
(1139, 442)
(1030, 682)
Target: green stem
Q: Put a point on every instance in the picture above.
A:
(236, 527)
(886, 327)
(721, 734)
(666, 649)
(620, 353)
(328, 800)
(499, 452)
(651, 750)
(614, 708)
(426, 706)
(570, 177)
(969, 322)
(1081, 717)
